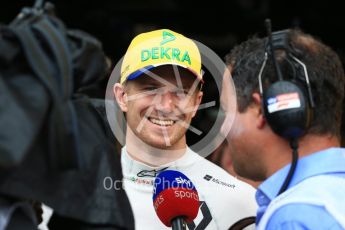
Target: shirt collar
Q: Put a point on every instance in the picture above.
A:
(331, 160)
(131, 167)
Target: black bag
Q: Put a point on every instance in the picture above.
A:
(55, 145)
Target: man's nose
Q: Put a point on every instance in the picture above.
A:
(167, 102)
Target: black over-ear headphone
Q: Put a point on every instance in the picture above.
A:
(285, 105)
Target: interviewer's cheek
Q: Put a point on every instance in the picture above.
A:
(236, 131)
(226, 126)
(231, 128)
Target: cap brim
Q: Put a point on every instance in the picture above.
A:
(139, 72)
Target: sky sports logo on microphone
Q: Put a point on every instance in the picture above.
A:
(181, 180)
(177, 195)
(174, 195)
(158, 201)
(168, 181)
(186, 194)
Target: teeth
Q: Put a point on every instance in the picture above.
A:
(161, 122)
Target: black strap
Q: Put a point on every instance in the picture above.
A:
(61, 52)
(37, 59)
(63, 131)
(242, 223)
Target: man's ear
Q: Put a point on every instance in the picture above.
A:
(197, 101)
(260, 121)
(121, 96)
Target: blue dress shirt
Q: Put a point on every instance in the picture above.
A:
(302, 216)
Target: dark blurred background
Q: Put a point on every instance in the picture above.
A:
(218, 24)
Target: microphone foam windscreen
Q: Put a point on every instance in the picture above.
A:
(174, 195)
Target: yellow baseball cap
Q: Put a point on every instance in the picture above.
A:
(160, 47)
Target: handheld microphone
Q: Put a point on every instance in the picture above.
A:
(175, 199)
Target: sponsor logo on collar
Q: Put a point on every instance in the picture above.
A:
(140, 181)
(150, 173)
(217, 181)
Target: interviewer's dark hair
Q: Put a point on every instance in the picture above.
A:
(324, 67)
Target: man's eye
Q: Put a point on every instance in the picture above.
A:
(181, 91)
(150, 88)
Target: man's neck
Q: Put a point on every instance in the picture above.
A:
(149, 155)
(153, 158)
(315, 143)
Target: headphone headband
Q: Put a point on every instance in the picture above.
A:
(285, 101)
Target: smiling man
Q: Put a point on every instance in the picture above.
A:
(160, 110)
(160, 92)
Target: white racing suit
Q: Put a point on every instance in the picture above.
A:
(224, 200)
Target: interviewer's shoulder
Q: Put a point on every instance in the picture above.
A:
(302, 216)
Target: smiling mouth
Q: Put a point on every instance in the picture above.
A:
(164, 123)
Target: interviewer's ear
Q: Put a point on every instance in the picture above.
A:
(121, 96)
(260, 121)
